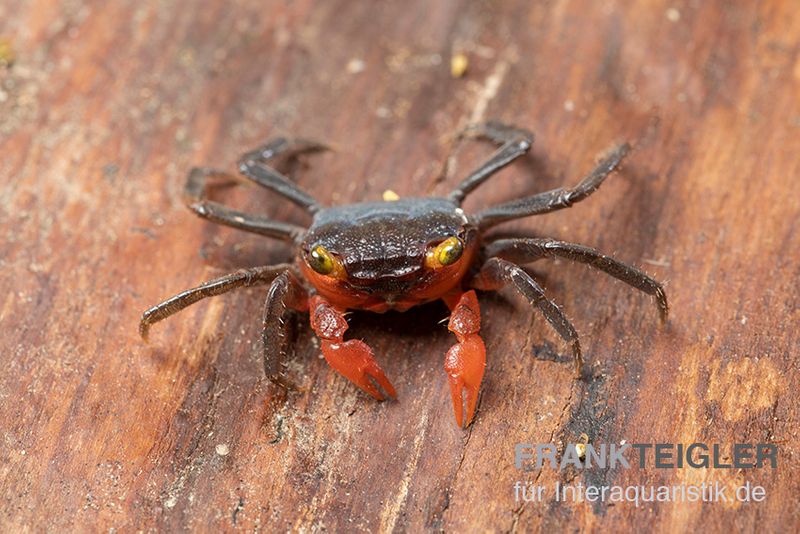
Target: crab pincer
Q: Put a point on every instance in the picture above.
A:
(352, 359)
(466, 360)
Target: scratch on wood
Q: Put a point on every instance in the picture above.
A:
(518, 511)
(392, 510)
(484, 95)
(490, 87)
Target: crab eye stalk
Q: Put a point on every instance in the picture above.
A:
(445, 253)
(321, 260)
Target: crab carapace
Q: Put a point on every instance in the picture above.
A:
(394, 255)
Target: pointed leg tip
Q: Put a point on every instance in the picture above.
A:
(144, 332)
(663, 304)
(663, 312)
(302, 145)
(577, 355)
(283, 382)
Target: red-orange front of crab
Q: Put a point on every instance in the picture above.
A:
(380, 256)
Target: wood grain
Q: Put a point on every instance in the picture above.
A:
(108, 104)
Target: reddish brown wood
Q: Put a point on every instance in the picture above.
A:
(107, 106)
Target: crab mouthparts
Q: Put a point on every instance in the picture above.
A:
(390, 281)
(380, 269)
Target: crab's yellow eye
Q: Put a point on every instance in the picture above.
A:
(445, 253)
(321, 260)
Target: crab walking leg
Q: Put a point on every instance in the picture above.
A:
(466, 360)
(526, 250)
(241, 278)
(497, 273)
(285, 292)
(253, 166)
(556, 199)
(195, 198)
(352, 359)
(514, 142)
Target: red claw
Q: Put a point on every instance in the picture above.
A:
(466, 360)
(352, 359)
(464, 365)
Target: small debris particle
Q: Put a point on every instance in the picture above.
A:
(7, 55)
(171, 501)
(355, 65)
(673, 15)
(222, 449)
(580, 446)
(186, 57)
(458, 65)
(110, 171)
(569, 105)
(390, 196)
(661, 262)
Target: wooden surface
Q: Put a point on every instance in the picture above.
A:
(108, 104)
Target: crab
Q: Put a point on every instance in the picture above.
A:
(395, 255)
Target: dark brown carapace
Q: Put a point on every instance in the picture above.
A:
(394, 255)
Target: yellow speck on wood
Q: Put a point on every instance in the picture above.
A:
(390, 196)
(7, 55)
(458, 65)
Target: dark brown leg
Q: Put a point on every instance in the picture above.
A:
(514, 143)
(352, 359)
(553, 200)
(253, 165)
(242, 278)
(497, 273)
(526, 250)
(194, 195)
(284, 292)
